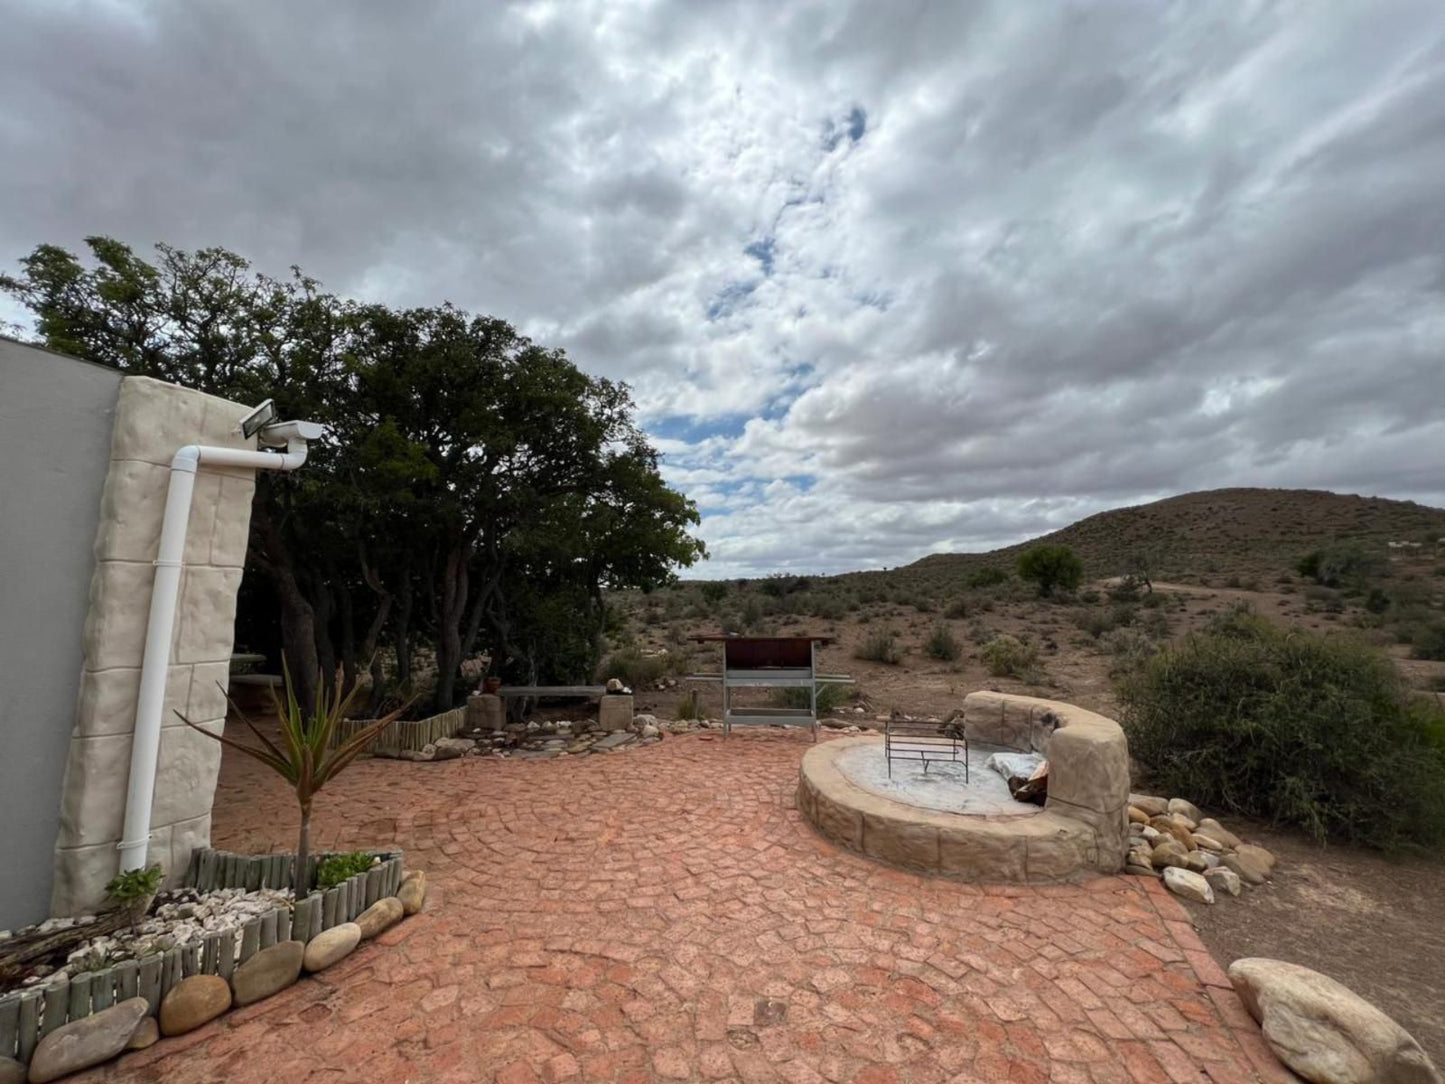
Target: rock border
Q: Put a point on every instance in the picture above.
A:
(37, 1017)
(1081, 831)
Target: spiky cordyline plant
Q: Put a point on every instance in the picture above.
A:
(305, 758)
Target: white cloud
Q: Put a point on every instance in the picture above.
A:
(971, 271)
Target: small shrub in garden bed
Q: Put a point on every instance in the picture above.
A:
(1300, 729)
(336, 868)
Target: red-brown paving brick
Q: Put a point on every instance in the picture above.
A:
(665, 914)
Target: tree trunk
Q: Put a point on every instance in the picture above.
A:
(403, 635)
(347, 627)
(298, 619)
(300, 883)
(451, 608)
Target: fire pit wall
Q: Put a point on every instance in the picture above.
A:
(1082, 829)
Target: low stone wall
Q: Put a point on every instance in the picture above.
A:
(1088, 760)
(27, 1016)
(1082, 830)
(405, 736)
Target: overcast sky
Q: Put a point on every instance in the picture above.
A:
(887, 278)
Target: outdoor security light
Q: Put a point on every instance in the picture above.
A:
(263, 415)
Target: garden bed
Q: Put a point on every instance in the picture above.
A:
(29, 1014)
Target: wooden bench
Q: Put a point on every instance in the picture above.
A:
(516, 696)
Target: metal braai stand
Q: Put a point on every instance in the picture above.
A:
(927, 741)
(772, 662)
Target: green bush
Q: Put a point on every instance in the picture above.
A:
(1332, 566)
(1051, 567)
(335, 868)
(687, 706)
(1008, 656)
(633, 668)
(957, 609)
(986, 577)
(880, 645)
(830, 698)
(714, 591)
(942, 644)
(1300, 729)
(1426, 639)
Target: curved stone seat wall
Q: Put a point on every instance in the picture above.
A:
(1082, 829)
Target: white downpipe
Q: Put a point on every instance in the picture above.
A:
(156, 663)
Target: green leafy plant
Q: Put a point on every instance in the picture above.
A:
(1051, 567)
(335, 868)
(942, 644)
(134, 889)
(1313, 731)
(880, 646)
(687, 706)
(305, 757)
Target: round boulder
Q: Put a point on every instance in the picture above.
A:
(331, 946)
(1324, 1031)
(268, 972)
(147, 1033)
(380, 915)
(412, 892)
(192, 1002)
(1187, 883)
(87, 1041)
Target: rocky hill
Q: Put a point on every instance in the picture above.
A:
(1219, 531)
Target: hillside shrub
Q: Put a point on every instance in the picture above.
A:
(1051, 568)
(1317, 732)
(957, 609)
(714, 591)
(942, 644)
(1332, 566)
(1426, 639)
(634, 669)
(986, 577)
(830, 698)
(880, 645)
(1008, 656)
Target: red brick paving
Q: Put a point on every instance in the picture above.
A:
(665, 914)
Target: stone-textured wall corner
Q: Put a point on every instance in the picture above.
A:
(1088, 760)
(153, 419)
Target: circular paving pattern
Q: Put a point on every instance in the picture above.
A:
(666, 914)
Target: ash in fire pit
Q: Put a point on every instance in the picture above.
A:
(942, 787)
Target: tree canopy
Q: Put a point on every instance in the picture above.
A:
(478, 491)
(1051, 567)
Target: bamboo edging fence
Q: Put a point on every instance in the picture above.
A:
(405, 736)
(28, 1015)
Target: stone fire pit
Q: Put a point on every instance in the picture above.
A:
(968, 831)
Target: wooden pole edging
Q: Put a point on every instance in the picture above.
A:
(28, 1015)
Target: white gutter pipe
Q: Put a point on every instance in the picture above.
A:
(155, 665)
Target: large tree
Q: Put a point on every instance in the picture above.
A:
(479, 491)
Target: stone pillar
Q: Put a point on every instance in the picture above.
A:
(485, 712)
(615, 712)
(153, 419)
